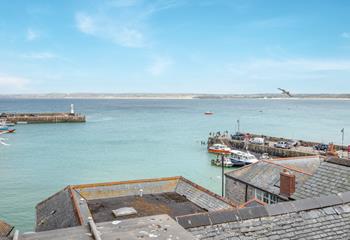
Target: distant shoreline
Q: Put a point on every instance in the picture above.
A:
(174, 96)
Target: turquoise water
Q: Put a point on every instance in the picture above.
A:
(135, 139)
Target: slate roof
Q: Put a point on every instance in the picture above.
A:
(160, 227)
(266, 174)
(326, 217)
(333, 176)
(69, 207)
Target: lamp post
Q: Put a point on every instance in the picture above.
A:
(342, 143)
(222, 175)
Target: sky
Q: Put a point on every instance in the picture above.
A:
(168, 46)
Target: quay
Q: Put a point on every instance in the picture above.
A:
(59, 117)
(42, 117)
(304, 148)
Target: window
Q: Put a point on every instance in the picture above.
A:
(265, 196)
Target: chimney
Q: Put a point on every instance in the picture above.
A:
(287, 183)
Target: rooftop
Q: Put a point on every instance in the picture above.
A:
(325, 217)
(175, 196)
(170, 203)
(333, 176)
(265, 174)
(160, 227)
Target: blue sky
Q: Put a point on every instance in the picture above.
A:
(203, 46)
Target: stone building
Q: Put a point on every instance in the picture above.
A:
(269, 181)
(326, 217)
(174, 196)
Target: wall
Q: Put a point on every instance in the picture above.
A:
(235, 190)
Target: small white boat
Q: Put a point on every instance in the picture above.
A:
(239, 158)
(218, 162)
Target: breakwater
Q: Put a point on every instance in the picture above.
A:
(42, 117)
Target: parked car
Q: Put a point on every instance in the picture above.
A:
(321, 147)
(293, 143)
(238, 136)
(258, 140)
(282, 144)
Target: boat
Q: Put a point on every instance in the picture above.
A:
(4, 128)
(239, 158)
(219, 148)
(208, 113)
(218, 162)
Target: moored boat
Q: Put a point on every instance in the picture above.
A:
(5, 128)
(208, 113)
(218, 162)
(219, 148)
(239, 158)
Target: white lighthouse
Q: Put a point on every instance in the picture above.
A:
(72, 109)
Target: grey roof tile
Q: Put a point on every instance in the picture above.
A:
(266, 174)
(329, 178)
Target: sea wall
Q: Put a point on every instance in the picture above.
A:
(42, 117)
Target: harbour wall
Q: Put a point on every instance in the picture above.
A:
(42, 117)
(272, 151)
(302, 142)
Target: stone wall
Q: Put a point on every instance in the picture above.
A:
(235, 190)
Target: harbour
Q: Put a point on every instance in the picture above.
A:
(161, 137)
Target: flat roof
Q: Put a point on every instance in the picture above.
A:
(175, 196)
(170, 203)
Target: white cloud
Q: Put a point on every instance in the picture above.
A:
(85, 23)
(159, 66)
(346, 35)
(117, 31)
(32, 35)
(123, 22)
(12, 83)
(39, 55)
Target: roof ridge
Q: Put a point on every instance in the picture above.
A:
(236, 215)
(288, 167)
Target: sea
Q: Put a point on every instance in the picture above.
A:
(137, 139)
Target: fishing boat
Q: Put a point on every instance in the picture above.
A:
(218, 162)
(239, 158)
(219, 148)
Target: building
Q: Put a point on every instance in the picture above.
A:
(333, 176)
(174, 196)
(269, 181)
(326, 217)
(158, 227)
(192, 212)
